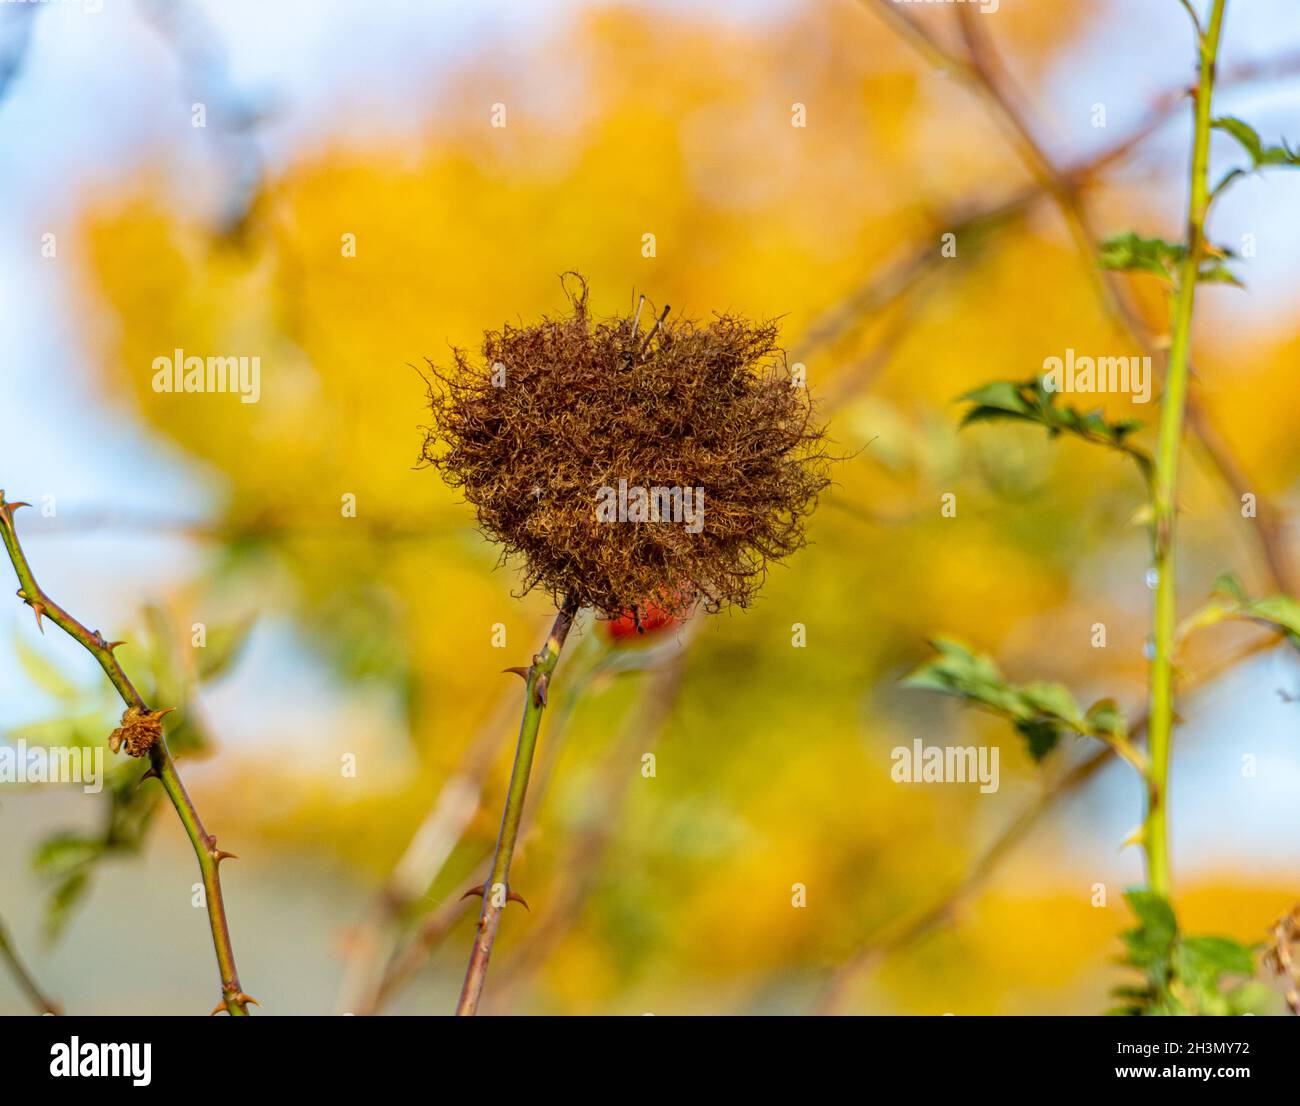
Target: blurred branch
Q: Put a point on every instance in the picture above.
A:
(410, 957)
(234, 116)
(16, 21)
(1269, 522)
(163, 767)
(26, 983)
(1191, 13)
(835, 992)
(244, 529)
(1050, 180)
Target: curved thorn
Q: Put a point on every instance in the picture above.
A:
(220, 854)
(111, 645)
(473, 891)
(522, 673)
(218, 1008)
(514, 896)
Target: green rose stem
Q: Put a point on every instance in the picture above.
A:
(1164, 503)
(496, 891)
(162, 767)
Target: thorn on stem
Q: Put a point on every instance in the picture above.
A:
(98, 639)
(35, 605)
(238, 998)
(522, 673)
(511, 896)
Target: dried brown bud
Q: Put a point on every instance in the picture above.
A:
(138, 731)
(569, 428)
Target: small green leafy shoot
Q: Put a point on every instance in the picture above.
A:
(1185, 975)
(1262, 157)
(1040, 712)
(1032, 401)
(1231, 603)
(1132, 253)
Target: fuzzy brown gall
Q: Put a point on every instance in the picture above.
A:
(553, 412)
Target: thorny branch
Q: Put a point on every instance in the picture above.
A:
(1169, 447)
(496, 888)
(410, 954)
(587, 850)
(141, 732)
